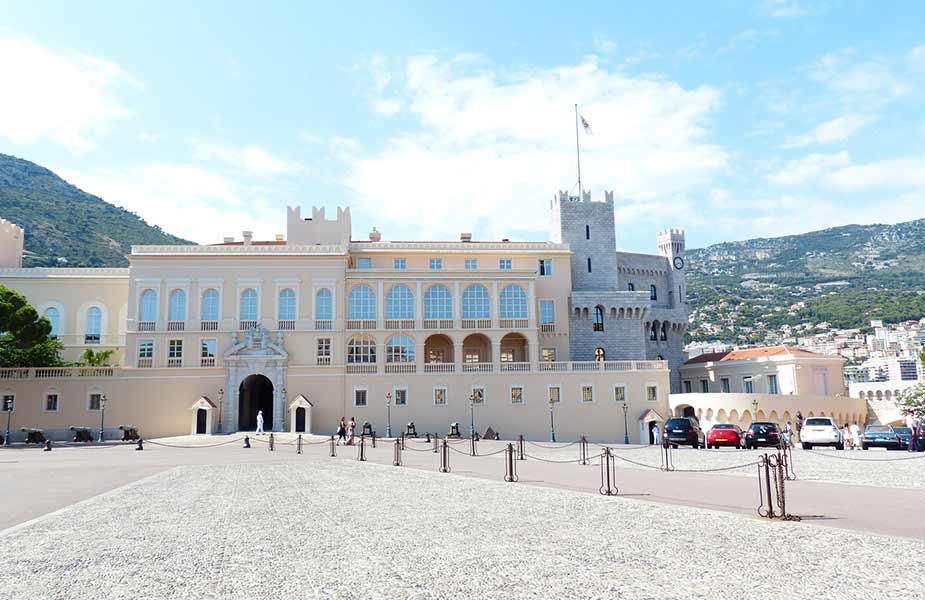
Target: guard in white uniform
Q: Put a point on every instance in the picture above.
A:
(259, 421)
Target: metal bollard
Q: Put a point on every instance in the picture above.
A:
(140, 445)
(299, 445)
(361, 456)
(473, 446)
(444, 457)
(436, 443)
(271, 443)
(766, 502)
(396, 459)
(374, 440)
(583, 450)
(247, 442)
(785, 458)
(402, 437)
(520, 447)
(608, 474)
(428, 437)
(47, 446)
(333, 447)
(667, 462)
(510, 467)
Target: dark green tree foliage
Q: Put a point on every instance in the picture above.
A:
(25, 340)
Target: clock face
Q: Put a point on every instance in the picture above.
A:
(678, 262)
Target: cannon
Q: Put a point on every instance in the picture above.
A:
(33, 436)
(81, 434)
(410, 430)
(129, 433)
(367, 429)
(454, 431)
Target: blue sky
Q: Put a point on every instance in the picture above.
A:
(729, 119)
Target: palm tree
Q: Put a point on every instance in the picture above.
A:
(95, 359)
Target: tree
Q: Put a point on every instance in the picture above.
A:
(912, 401)
(89, 358)
(25, 339)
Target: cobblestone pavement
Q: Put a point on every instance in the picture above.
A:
(344, 529)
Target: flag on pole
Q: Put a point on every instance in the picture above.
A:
(585, 125)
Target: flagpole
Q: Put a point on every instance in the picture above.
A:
(578, 152)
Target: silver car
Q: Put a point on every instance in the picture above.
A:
(821, 431)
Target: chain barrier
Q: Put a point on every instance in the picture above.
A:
(444, 457)
(623, 448)
(772, 491)
(510, 467)
(583, 450)
(608, 474)
(520, 447)
(551, 461)
(548, 447)
(870, 460)
(361, 455)
(196, 446)
(396, 459)
(667, 462)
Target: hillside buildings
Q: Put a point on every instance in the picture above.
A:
(315, 325)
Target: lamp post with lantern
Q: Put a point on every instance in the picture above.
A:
(388, 408)
(472, 415)
(221, 407)
(552, 422)
(8, 409)
(102, 415)
(626, 433)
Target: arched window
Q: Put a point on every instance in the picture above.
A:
(361, 303)
(631, 287)
(148, 306)
(94, 325)
(653, 332)
(177, 310)
(287, 305)
(599, 354)
(210, 305)
(513, 301)
(399, 303)
(249, 305)
(361, 349)
(476, 303)
(438, 303)
(653, 293)
(53, 316)
(598, 318)
(665, 331)
(399, 349)
(324, 308)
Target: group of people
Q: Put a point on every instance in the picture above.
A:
(346, 431)
(852, 437)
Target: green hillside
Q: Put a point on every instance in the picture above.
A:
(66, 226)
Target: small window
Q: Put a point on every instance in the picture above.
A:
(587, 232)
(323, 348)
(175, 349)
(472, 264)
(705, 386)
(724, 384)
(598, 318)
(96, 401)
(440, 396)
(631, 287)
(589, 264)
(364, 263)
(145, 348)
(600, 355)
(549, 355)
(436, 264)
(587, 393)
(517, 394)
(773, 387)
(547, 312)
(401, 396)
(504, 264)
(51, 402)
(687, 387)
(207, 348)
(478, 394)
(619, 393)
(653, 293)
(554, 394)
(748, 384)
(652, 393)
(400, 264)
(545, 267)
(360, 396)
(9, 403)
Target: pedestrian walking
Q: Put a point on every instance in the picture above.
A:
(259, 422)
(855, 437)
(846, 437)
(341, 431)
(351, 429)
(788, 435)
(799, 426)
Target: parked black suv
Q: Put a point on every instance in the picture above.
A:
(762, 434)
(683, 431)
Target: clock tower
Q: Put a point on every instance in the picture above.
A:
(671, 246)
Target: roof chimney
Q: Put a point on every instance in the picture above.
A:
(280, 237)
(227, 240)
(374, 235)
(248, 236)
(465, 237)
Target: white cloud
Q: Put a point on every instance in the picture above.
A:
(916, 57)
(747, 38)
(494, 146)
(387, 107)
(191, 202)
(808, 167)
(603, 44)
(251, 158)
(829, 132)
(892, 173)
(65, 97)
(789, 9)
(870, 80)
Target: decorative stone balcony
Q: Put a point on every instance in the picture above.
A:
(174, 363)
(324, 324)
(438, 323)
(355, 324)
(145, 363)
(476, 323)
(548, 328)
(207, 361)
(146, 326)
(479, 367)
(399, 323)
(515, 367)
(286, 325)
(248, 324)
(439, 368)
(176, 325)
(208, 326)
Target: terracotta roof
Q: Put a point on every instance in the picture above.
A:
(750, 354)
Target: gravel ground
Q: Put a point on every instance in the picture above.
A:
(878, 468)
(352, 530)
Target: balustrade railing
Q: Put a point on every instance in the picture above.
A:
(361, 369)
(176, 326)
(439, 368)
(145, 363)
(146, 325)
(400, 367)
(324, 324)
(547, 328)
(361, 323)
(247, 324)
(207, 361)
(476, 323)
(286, 325)
(208, 326)
(515, 367)
(479, 367)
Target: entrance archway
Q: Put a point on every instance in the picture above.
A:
(201, 416)
(255, 394)
(300, 420)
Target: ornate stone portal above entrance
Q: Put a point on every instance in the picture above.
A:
(256, 353)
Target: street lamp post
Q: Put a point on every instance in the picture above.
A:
(388, 408)
(626, 433)
(102, 415)
(552, 424)
(221, 407)
(755, 406)
(472, 415)
(8, 408)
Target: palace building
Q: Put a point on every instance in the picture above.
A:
(520, 336)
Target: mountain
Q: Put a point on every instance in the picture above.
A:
(763, 289)
(66, 226)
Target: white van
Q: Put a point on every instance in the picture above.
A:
(821, 431)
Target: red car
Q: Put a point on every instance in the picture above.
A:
(724, 434)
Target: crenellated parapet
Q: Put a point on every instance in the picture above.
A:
(317, 229)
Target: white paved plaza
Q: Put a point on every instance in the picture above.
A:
(232, 523)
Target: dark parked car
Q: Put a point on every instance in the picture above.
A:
(762, 434)
(880, 436)
(905, 436)
(683, 431)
